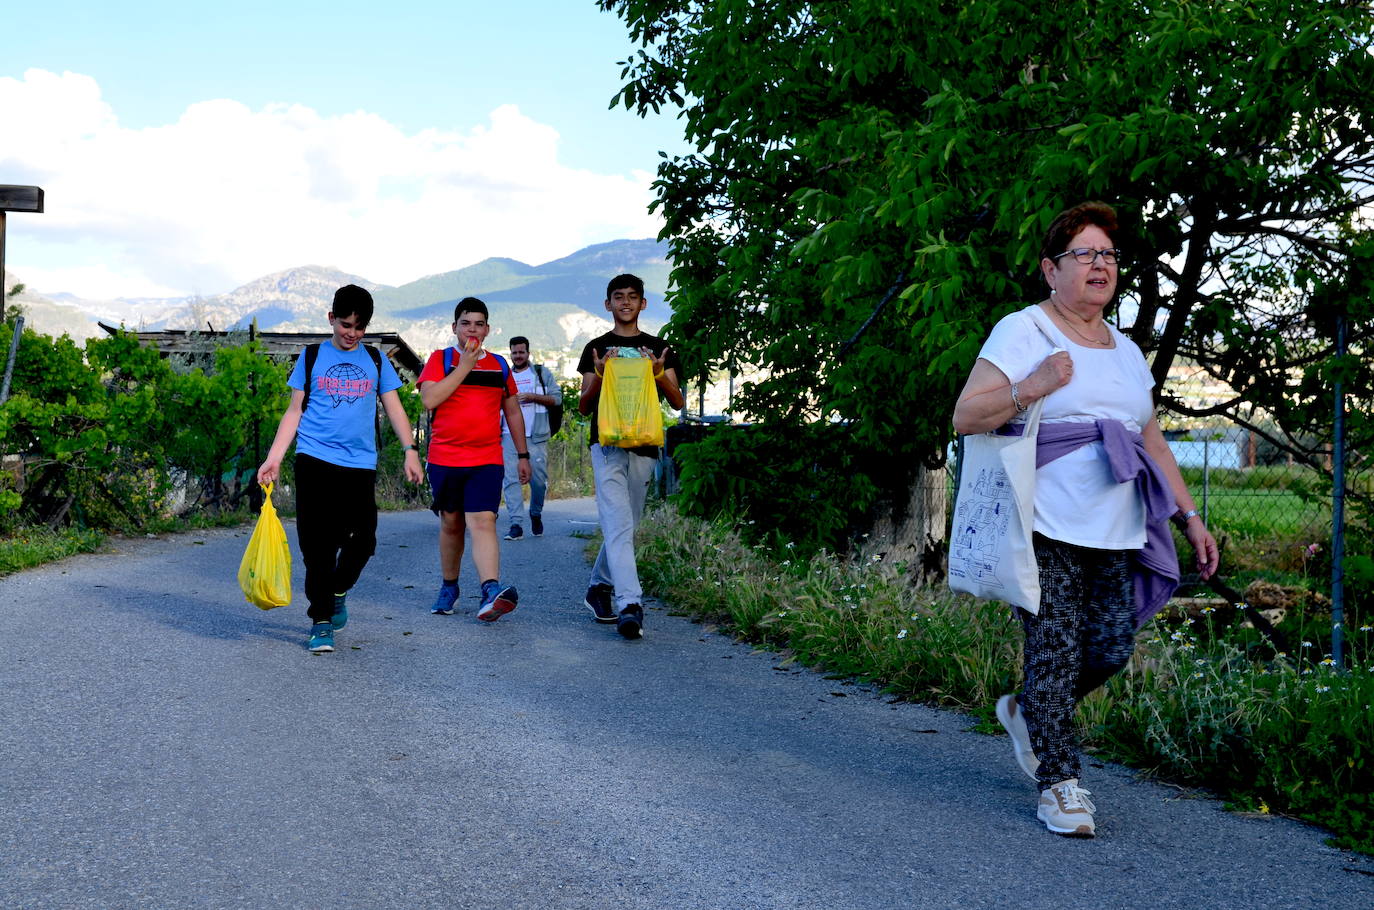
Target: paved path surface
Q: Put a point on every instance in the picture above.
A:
(164, 744)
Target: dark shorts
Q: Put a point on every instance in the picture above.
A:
(473, 489)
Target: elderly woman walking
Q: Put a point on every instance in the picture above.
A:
(1106, 484)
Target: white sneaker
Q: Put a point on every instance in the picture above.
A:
(1066, 809)
(1009, 713)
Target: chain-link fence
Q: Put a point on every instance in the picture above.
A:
(1271, 513)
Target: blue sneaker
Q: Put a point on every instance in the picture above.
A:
(497, 601)
(321, 638)
(340, 617)
(515, 533)
(443, 604)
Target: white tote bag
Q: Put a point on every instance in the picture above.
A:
(990, 553)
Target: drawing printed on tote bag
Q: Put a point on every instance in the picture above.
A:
(981, 520)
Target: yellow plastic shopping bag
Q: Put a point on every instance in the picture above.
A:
(628, 411)
(265, 573)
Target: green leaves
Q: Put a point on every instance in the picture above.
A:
(844, 144)
(102, 432)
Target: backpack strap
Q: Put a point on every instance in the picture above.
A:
(376, 356)
(312, 353)
(448, 363)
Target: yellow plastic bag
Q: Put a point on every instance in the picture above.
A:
(628, 414)
(265, 573)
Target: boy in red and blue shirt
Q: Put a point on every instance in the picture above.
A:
(468, 389)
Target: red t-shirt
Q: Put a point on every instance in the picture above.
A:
(467, 425)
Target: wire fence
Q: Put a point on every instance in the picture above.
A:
(1271, 514)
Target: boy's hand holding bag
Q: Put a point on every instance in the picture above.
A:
(628, 414)
(265, 572)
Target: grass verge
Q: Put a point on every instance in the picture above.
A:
(1288, 734)
(31, 547)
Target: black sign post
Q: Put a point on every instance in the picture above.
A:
(14, 199)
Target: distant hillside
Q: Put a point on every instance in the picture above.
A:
(557, 305)
(473, 281)
(578, 280)
(49, 317)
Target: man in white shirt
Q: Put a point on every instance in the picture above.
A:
(538, 391)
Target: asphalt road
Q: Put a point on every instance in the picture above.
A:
(165, 744)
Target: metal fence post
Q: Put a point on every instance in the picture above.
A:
(1206, 477)
(9, 361)
(1338, 508)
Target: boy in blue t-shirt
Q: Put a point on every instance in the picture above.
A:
(336, 459)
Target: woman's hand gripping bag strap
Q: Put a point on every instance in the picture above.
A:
(628, 415)
(265, 572)
(990, 551)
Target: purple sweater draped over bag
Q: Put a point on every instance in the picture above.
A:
(1154, 567)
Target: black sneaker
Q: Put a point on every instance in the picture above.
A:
(631, 622)
(515, 533)
(599, 602)
(537, 525)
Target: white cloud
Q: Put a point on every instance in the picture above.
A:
(227, 194)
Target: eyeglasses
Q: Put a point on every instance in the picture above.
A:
(1088, 257)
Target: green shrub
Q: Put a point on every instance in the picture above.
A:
(107, 432)
(806, 484)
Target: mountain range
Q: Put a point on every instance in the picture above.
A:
(557, 305)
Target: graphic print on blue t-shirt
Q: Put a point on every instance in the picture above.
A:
(344, 383)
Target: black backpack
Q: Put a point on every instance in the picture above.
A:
(555, 411)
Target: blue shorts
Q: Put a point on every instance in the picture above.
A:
(472, 489)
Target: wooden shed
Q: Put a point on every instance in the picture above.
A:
(284, 346)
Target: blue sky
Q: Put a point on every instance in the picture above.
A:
(188, 148)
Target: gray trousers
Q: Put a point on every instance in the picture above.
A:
(539, 479)
(622, 485)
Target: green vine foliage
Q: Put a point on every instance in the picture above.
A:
(107, 433)
(842, 145)
(780, 481)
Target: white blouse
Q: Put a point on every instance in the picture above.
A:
(1077, 500)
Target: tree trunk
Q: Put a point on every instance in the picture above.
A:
(912, 534)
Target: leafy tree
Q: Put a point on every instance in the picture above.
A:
(842, 148)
